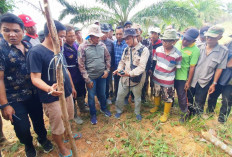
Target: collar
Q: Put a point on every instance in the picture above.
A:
(157, 42)
(216, 48)
(171, 52)
(32, 36)
(121, 43)
(137, 47)
(89, 43)
(193, 44)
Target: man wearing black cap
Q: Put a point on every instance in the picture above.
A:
(212, 60)
(110, 47)
(202, 37)
(190, 54)
(131, 68)
(78, 34)
(111, 33)
(127, 24)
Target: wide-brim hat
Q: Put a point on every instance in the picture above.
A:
(129, 32)
(95, 30)
(214, 31)
(169, 34)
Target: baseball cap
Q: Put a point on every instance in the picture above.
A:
(215, 31)
(27, 20)
(154, 29)
(203, 30)
(191, 34)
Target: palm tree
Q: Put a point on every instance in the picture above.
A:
(112, 11)
(168, 12)
(206, 10)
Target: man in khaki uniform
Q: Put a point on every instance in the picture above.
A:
(131, 66)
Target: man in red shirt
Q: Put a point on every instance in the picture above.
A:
(31, 30)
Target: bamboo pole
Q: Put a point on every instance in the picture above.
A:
(59, 76)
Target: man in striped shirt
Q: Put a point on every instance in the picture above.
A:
(167, 59)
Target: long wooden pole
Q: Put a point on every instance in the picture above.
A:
(59, 76)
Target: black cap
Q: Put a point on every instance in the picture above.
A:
(105, 27)
(203, 30)
(127, 23)
(130, 32)
(111, 28)
(191, 34)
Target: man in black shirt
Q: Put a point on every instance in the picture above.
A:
(42, 76)
(18, 97)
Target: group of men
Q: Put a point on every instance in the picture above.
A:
(111, 69)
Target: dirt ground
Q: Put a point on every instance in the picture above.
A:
(128, 137)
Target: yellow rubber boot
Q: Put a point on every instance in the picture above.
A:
(167, 108)
(157, 103)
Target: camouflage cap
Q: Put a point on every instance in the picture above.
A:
(169, 34)
(215, 31)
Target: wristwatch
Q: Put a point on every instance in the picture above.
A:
(3, 106)
(215, 83)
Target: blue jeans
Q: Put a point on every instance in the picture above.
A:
(99, 89)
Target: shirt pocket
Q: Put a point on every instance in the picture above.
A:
(136, 60)
(213, 64)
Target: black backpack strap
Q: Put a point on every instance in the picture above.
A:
(141, 50)
(126, 50)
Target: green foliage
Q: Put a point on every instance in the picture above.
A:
(6, 5)
(179, 13)
(115, 11)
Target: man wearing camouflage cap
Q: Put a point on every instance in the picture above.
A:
(212, 60)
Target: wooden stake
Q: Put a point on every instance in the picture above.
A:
(59, 76)
(209, 137)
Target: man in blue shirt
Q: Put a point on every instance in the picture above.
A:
(119, 46)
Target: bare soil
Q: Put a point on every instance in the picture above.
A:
(128, 137)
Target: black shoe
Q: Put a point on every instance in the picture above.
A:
(184, 117)
(47, 146)
(30, 151)
(221, 120)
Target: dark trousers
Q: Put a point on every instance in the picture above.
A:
(145, 86)
(108, 79)
(200, 95)
(116, 82)
(225, 109)
(80, 88)
(182, 95)
(33, 107)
